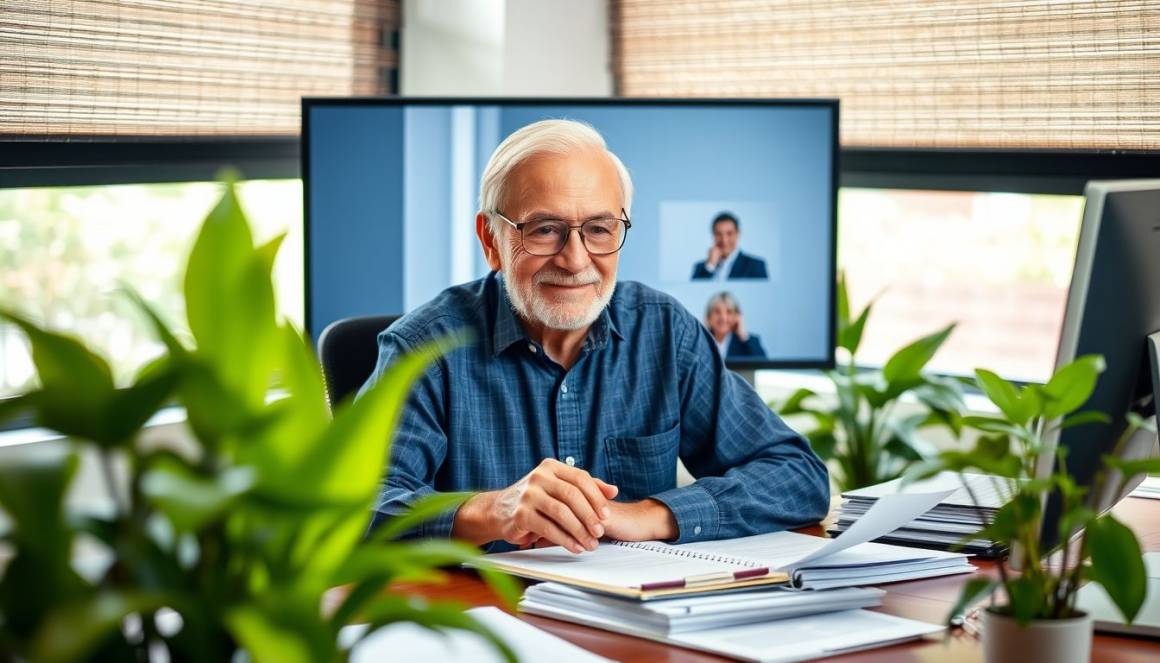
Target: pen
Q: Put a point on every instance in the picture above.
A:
(707, 579)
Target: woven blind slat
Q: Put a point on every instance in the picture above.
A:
(185, 67)
(925, 73)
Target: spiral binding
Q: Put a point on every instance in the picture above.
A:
(688, 554)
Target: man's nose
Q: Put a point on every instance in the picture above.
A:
(573, 257)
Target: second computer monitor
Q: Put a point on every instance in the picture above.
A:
(1113, 306)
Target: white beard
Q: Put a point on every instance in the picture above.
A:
(531, 305)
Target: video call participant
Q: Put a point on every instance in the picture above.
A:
(568, 410)
(725, 261)
(723, 318)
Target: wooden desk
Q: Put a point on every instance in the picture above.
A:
(926, 600)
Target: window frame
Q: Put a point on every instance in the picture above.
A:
(50, 161)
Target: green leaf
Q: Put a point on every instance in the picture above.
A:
(1001, 392)
(945, 396)
(376, 558)
(172, 345)
(268, 638)
(1072, 385)
(191, 500)
(974, 590)
(907, 363)
(851, 336)
(347, 461)
(1084, 418)
(75, 629)
(1132, 467)
(32, 491)
(843, 301)
(793, 404)
(1138, 422)
(425, 509)
(1004, 395)
(823, 443)
(62, 361)
(39, 577)
(1026, 598)
(229, 301)
(1117, 564)
(131, 408)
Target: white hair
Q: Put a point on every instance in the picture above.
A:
(543, 137)
(724, 297)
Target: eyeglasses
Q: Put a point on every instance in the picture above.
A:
(547, 237)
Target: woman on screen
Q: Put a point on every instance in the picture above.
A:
(723, 318)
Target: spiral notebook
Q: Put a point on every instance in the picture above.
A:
(653, 569)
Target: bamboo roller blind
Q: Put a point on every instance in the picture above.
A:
(914, 74)
(185, 67)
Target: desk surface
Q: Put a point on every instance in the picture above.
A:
(925, 600)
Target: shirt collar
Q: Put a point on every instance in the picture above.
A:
(509, 330)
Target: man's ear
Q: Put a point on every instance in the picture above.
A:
(488, 241)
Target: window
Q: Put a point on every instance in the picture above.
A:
(66, 251)
(997, 263)
(928, 73)
(186, 67)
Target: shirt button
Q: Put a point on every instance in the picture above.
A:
(532, 348)
(564, 388)
(571, 461)
(696, 530)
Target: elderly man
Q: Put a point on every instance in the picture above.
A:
(568, 410)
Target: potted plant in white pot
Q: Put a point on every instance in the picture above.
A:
(1032, 616)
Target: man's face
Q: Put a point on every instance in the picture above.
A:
(568, 290)
(721, 320)
(725, 236)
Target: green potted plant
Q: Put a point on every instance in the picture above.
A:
(1033, 615)
(857, 431)
(225, 545)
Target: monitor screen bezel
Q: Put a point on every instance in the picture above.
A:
(310, 103)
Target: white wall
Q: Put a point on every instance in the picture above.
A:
(530, 48)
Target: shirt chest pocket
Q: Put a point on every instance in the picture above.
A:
(643, 466)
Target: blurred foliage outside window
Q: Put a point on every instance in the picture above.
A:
(997, 263)
(65, 252)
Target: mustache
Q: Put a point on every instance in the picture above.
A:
(559, 277)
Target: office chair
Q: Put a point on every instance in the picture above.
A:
(349, 350)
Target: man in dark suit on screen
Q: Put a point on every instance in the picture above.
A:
(725, 261)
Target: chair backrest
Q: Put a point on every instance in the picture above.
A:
(348, 350)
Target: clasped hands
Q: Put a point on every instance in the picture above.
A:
(557, 504)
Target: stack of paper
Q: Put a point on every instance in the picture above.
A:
(818, 636)
(651, 570)
(954, 523)
(1148, 489)
(694, 613)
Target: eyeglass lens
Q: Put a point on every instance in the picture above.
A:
(600, 236)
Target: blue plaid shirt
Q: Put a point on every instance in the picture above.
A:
(648, 387)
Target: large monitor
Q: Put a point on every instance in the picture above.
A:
(1113, 307)
(392, 186)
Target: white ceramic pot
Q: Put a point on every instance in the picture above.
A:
(1041, 641)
